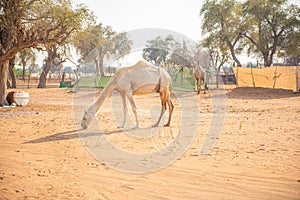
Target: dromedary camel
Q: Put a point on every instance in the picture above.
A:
(199, 75)
(141, 78)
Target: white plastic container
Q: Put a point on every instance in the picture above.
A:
(21, 98)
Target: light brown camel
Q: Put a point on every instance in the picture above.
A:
(141, 78)
(199, 76)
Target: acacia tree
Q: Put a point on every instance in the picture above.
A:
(106, 46)
(222, 20)
(291, 47)
(26, 57)
(86, 42)
(97, 42)
(201, 56)
(11, 74)
(219, 54)
(159, 49)
(122, 46)
(182, 55)
(271, 23)
(25, 24)
(52, 52)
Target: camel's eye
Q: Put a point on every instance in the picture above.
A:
(84, 118)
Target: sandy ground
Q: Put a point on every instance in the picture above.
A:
(257, 155)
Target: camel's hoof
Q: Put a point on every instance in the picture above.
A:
(121, 126)
(166, 125)
(136, 127)
(155, 125)
(83, 126)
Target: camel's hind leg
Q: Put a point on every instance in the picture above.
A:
(195, 84)
(202, 82)
(171, 108)
(198, 85)
(163, 98)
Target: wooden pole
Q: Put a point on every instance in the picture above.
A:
(253, 81)
(237, 76)
(297, 79)
(275, 77)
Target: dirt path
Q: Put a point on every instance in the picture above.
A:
(257, 155)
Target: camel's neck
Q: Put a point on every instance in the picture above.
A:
(93, 109)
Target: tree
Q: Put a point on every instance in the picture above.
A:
(52, 52)
(25, 24)
(219, 54)
(11, 74)
(291, 47)
(26, 57)
(201, 56)
(182, 56)
(106, 46)
(159, 49)
(96, 42)
(86, 42)
(122, 45)
(271, 23)
(223, 21)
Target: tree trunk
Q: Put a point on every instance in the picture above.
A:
(218, 75)
(266, 60)
(97, 67)
(52, 54)
(12, 73)
(23, 74)
(8, 85)
(46, 69)
(234, 56)
(101, 64)
(3, 75)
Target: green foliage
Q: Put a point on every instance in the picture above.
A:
(182, 55)
(96, 42)
(19, 72)
(264, 27)
(223, 26)
(93, 81)
(271, 25)
(159, 49)
(26, 57)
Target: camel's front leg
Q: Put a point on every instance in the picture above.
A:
(124, 110)
(130, 98)
(163, 107)
(195, 84)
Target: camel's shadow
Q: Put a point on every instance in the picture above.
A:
(85, 133)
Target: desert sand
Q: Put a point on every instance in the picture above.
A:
(257, 154)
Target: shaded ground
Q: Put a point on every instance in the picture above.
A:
(257, 155)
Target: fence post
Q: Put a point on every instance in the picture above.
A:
(253, 81)
(297, 79)
(275, 77)
(237, 76)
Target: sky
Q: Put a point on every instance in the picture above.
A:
(175, 15)
(127, 15)
(182, 17)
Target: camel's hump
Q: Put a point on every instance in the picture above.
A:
(141, 63)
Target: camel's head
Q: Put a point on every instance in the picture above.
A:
(86, 120)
